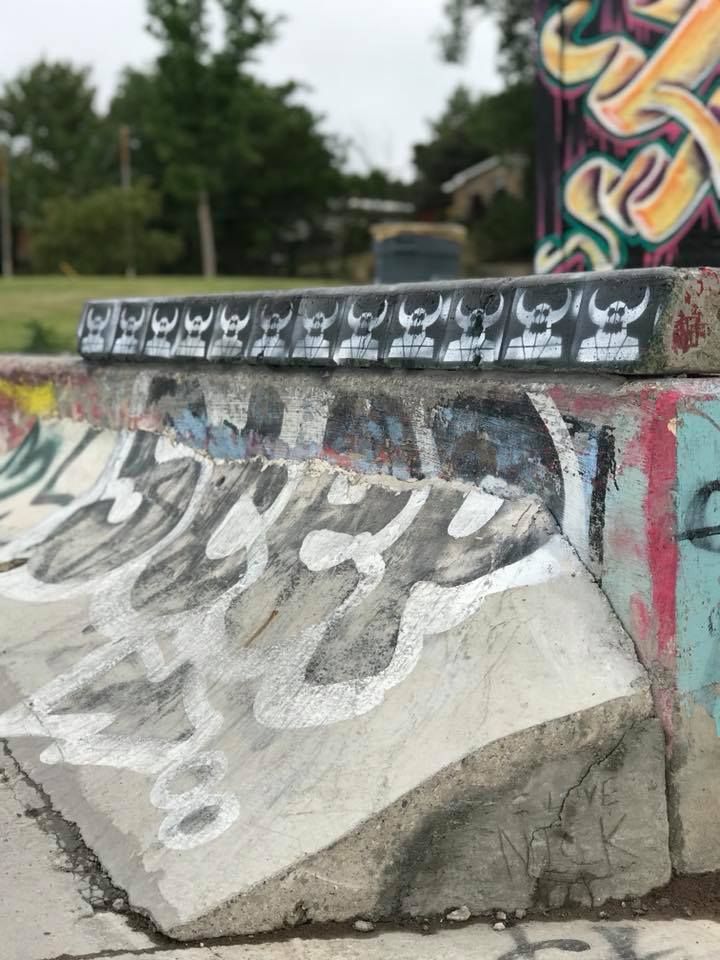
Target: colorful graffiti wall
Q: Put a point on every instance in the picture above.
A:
(628, 134)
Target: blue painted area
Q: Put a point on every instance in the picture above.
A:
(226, 441)
(698, 580)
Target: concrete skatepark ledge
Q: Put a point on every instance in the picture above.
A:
(306, 634)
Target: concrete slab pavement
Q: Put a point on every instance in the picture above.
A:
(47, 882)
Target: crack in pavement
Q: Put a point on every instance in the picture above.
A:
(557, 820)
(146, 952)
(94, 884)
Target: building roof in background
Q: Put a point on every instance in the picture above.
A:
(454, 232)
(375, 205)
(485, 166)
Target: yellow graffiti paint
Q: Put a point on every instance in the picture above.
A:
(34, 399)
(655, 193)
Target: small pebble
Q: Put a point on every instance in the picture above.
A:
(603, 915)
(460, 915)
(500, 915)
(364, 926)
(119, 905)
(499, 926)
(520, 914)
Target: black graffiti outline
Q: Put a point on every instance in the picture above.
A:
(34, 447)
(623, 941)
(46, 495)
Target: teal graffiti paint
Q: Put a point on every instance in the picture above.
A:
(698, 582)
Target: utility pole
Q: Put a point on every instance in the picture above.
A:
(126, 183)
(5, 218)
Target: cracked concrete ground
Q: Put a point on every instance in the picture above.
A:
(46, 883)
(56, 903)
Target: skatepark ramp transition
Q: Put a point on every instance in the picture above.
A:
(372, 602)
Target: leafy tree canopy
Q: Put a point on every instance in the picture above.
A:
(86, 234)
(470, 130)
(218, 142)
(517, 33)
(59, 145)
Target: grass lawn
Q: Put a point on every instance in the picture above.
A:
(41, 313)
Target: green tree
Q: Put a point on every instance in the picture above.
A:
(517, 33)
(377, 184)
(185, 110)
(58, 143)
(469, 131)
(88, 234)
(455, 142)
(240, 164)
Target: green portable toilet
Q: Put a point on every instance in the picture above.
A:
(417, 252)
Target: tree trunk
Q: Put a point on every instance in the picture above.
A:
(207, 235)
(5, 216)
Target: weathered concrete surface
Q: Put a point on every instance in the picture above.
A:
(676, 940)
(47, 887)
(625, 467)
(280, 678)
(46, 913)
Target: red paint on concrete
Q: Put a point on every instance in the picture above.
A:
(641, 620)
(689, 329)
(569, 399)
(659, 507)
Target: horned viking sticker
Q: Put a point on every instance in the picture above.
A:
(539, 340)
(233, 322)
(365, 316)
(271, 344)
(130, 323)
(96, 323)
(196, 326)
(474, 321)
(416, 343)
(163, 325)
(611, 340)
(316, 321)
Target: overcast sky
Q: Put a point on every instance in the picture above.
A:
(372, 66)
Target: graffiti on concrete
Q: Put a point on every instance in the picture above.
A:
(559, 458)
(213, 576)
(698, 557)
(26, 464)
(47, 469)
(633, 105)
(200, 575)
(624, 943)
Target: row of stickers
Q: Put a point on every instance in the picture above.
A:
(604, 319)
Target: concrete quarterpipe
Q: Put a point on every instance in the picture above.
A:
(310, 636)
